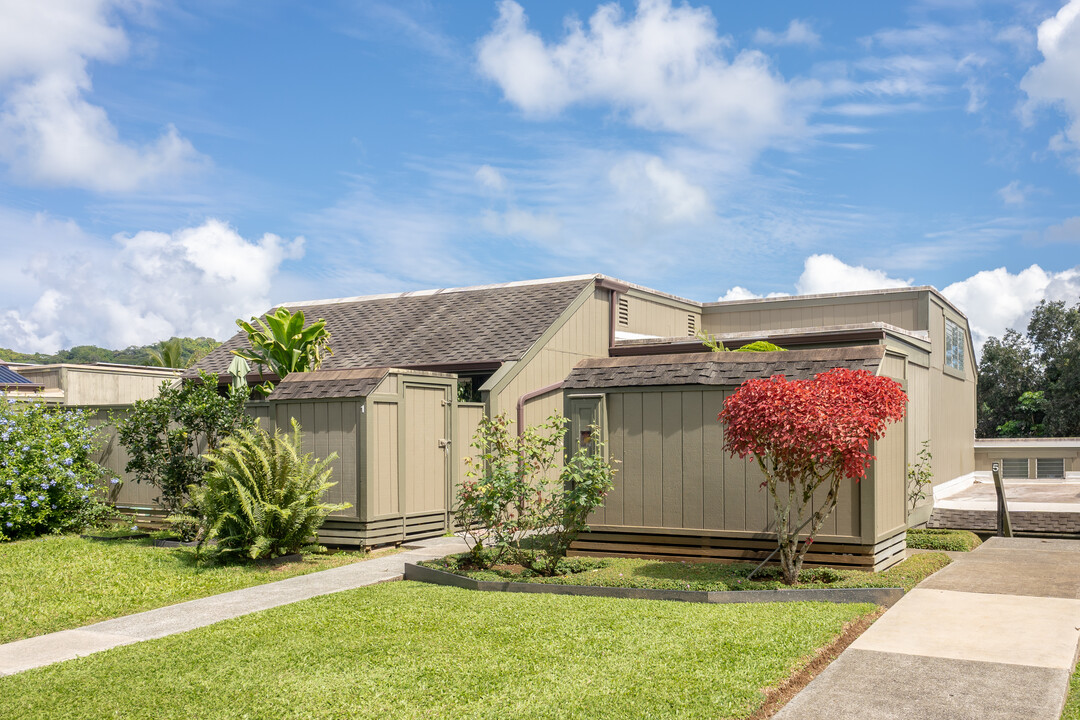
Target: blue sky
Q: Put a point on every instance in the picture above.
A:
(166, 167)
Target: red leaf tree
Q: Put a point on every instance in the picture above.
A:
(805, 434)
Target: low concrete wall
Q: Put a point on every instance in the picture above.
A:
(877, 596)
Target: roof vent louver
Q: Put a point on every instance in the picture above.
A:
(624, 311)
(691, 325)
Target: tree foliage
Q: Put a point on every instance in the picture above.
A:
(808, 434)
(283, 344)
(713, 344)
(1029, 385)
(263, 496)
(191, 351)
(166, 436)
(516, 506)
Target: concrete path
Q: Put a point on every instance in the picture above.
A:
(55, 647)
(992, 636)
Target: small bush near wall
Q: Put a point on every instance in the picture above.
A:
(931, 539)
(48, 481)
(262, 497)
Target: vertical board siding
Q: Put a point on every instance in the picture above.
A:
(890, 482)
(651, 317)
(784, 315)
(465, 423)
(385, 475)
(674, 473)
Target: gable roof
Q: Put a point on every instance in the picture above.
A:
(328, 384)
(724, 368)
(487, 325)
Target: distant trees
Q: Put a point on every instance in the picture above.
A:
(191, 350)
(1029, 385)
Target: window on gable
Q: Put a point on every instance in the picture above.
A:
(954, 345)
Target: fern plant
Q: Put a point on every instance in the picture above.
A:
(263, 497)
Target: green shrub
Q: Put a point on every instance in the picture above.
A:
(516, 506)
(165, 436)
(932, 539)
(262, 497)
(49, 482)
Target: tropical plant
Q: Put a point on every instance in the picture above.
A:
(920, 475)
(166, 436)
(805, 434)
(713, 343)
(49, 482)
(168, 354)
(263, 497)
(283, 344)
(516, 505)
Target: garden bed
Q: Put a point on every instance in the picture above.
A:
(389, 651)
(729, 579)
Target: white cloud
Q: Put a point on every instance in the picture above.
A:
(661, 193)
(491, 178)
(997, 300)
(1015, 193)
(828, 274)
(1056, 80)
(740, 293)
(49, 133)
(521, 223)
(798, 32)
(1068, 231)
(147, 287)
(665, 67)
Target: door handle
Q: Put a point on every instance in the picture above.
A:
(444, 443)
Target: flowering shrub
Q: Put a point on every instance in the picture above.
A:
(48, 481)
(805, 434)
(517, 501)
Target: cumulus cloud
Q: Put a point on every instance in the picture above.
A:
(1056, 80)
(148, 286)
(49, 132)
(997, 300)
(663, 194)
(740, 293)
(491, 178)
(667, 68)
(828, 274)
(1015, 193)
(799, 32)
(1068, 231)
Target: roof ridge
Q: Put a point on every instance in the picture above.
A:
(438, 291)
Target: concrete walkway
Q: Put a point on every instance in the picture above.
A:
(56, 647)
(992, 636)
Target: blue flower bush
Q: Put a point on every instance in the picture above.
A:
(49, 482)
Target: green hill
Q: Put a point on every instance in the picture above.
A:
(192, 349)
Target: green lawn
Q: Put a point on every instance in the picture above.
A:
(410, 650)
(1072, 703)
(61, 582)
(933, 539)
(628, 572)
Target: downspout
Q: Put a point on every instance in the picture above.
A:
(529, 396)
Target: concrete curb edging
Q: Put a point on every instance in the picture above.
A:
(878, 596)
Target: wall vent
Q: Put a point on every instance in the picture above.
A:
(691, 325)
(624, 311)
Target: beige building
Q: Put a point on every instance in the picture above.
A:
(99, 384)
(513, 346)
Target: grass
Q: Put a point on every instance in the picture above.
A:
(933, 539)
(632, 573)
(62, 582)
(410, 650)
(1072, 702)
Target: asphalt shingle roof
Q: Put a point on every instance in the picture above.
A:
(328, 384)
(483, 325)
(729, 368)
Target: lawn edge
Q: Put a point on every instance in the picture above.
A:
(886, 597)
(778, 696)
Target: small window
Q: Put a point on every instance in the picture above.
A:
(624, 311)
(1014, 468)
(691, 325)
(1050, 468)
(954, 345)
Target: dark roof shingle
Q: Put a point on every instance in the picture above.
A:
(729, 368)
(483, 325)
(328, 384)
